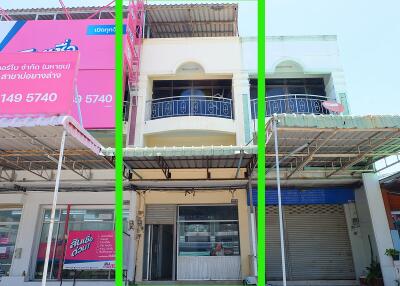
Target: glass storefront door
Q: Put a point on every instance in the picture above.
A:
(159, 255)
(9, 223)
(208, 243)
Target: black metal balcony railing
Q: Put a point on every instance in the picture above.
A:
(292, 103)
(209, 106)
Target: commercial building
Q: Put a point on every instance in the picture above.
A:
(190, 159)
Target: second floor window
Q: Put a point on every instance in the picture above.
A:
(286, 86)
(179, 88)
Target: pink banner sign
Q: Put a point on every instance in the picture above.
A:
(34, 84)
(90, 250)
(94, 39)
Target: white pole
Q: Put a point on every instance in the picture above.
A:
(278, 183)
(132, 240)
(53, 209)
(78, 102)
(253, 230)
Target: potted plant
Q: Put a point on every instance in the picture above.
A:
(374, 272)
(374, 275)
(394, 253)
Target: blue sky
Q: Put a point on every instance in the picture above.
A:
(368, 34)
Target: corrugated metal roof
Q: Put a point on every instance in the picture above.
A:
(59, 14)
(188, 157)
(339, 121)
(182, 151)
(334, 145)
(33, 144)
(191, 20)
(163, 21)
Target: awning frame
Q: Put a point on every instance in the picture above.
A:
(331, 146)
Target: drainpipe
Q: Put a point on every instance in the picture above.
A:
(253, 230)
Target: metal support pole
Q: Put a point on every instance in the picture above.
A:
(278, 183)
(133, 233)
(53, 208)
(78, 102)
(253, 230)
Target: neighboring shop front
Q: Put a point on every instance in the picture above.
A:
(316, 235)
(9, 224)
(391, 199)
(196, 235)
(67, 219)
(24, 230)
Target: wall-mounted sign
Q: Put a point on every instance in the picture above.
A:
(37, 83)
(90, 250)
(312, 196)
(94, 39)
(333, 106)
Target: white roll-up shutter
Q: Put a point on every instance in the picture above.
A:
(318, 243)
(160, 214)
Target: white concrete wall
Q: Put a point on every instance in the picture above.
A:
(315, 55)
(218, 57)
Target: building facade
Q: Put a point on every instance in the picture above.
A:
(190, 160)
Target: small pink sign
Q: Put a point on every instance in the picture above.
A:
(34, 84)
(4, 240)
(333, 106)
(90, 250)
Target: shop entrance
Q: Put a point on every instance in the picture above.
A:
(159, 251)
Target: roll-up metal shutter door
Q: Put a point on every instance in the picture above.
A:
(160, 214)
(273, 261)
(318, 243)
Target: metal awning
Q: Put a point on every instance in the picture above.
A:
(166, 159)
(32, 144)
(391, 182)
(58, 13)
(163, 21)
(192, 20)
(331, 145)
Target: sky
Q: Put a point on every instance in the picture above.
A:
(368, 39)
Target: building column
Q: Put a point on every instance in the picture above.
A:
(24, 245)
(380, 225)
(241, 104)
(360, 257)
(137, 122)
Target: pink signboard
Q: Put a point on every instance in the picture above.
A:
(94, 39)
(37, 83)
(90, 250)
(333, 106)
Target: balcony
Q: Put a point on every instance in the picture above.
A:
(292, 103)
(177, 106)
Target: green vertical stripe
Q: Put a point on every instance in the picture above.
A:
(118, 145)
(261, 144)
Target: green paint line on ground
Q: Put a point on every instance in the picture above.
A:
(118, 144)
(261, 143)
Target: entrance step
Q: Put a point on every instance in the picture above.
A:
(316, 283)
(190, 283)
